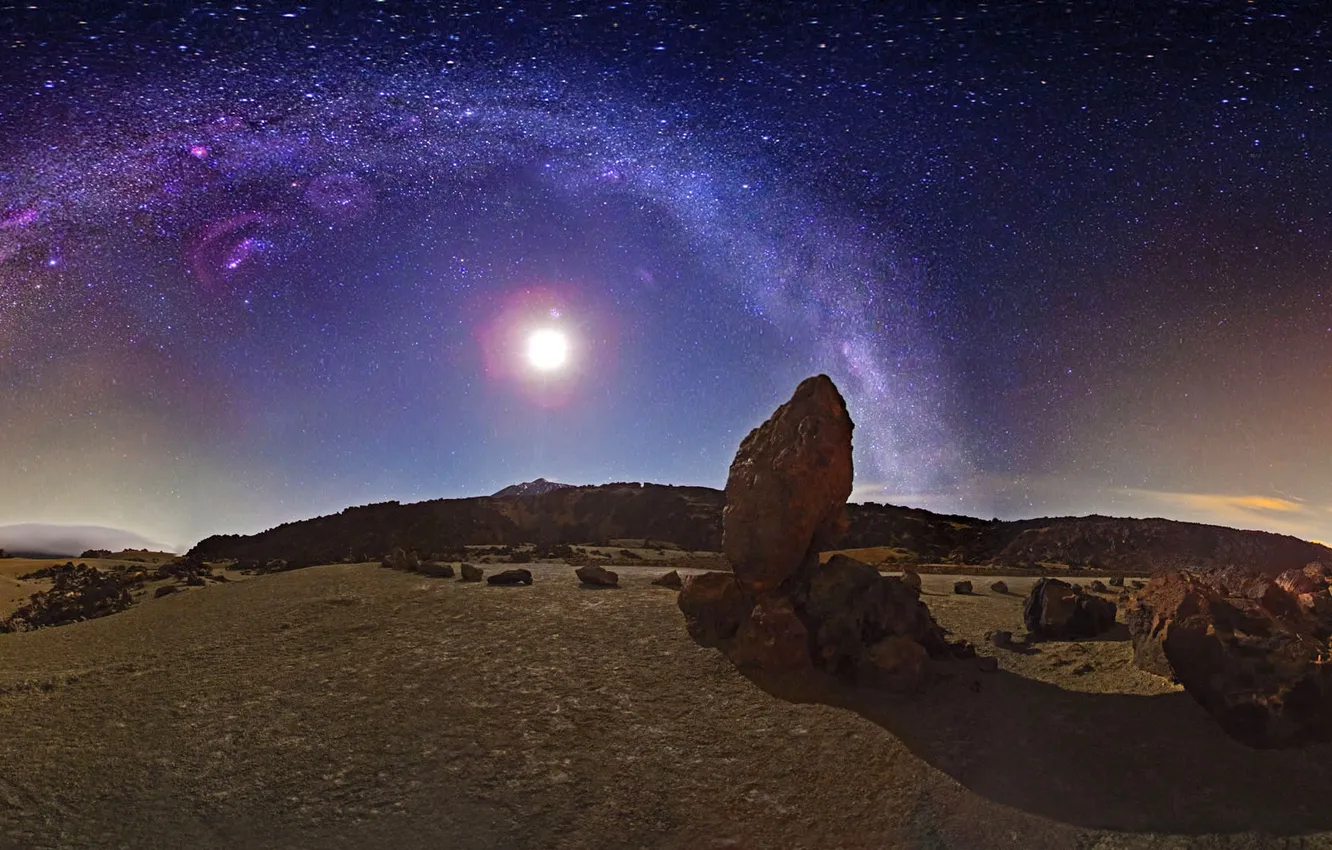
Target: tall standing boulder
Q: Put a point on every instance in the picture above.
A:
(787, 488)
(782, 611)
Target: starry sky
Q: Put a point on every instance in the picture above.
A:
(260, 261)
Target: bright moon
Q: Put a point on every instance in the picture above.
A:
(547, 350)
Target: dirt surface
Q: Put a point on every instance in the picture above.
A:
(353, 706)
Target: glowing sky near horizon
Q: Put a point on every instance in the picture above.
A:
(260, 261)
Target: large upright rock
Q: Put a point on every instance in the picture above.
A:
(782, 611)
(1244, 647)
(788, 486)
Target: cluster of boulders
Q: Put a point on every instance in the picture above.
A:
(1253, 650)
(190, 571)
(781, 610)
(412, 563)
(79, 593)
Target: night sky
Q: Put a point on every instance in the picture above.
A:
(262, 261)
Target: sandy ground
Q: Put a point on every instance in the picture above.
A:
(352, 706)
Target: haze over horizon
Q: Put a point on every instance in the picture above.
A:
(260, 263)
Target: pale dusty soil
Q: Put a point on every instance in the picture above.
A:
(352, 706)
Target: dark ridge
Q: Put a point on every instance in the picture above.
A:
(691, 517)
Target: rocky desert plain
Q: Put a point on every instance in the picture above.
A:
(646, 666)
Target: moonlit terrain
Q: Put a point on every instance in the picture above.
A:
(260, 262)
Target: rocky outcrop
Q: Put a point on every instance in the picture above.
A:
(511, 577)
(782, 611)
(78, 592)
(787, 487)
(1057, 610)
(595, 576)
(1251, 650)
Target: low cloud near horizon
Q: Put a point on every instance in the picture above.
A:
(70, 540)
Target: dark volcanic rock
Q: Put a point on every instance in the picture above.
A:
(470, 572)
(1057, 610)
(596, 576)
(1000, 638)
(1098, 586)
(165, 590)
(671, 579)
(714, 606)
(854, 608)
(962, 587)
(912, 579)
(999, 587)
(435, 569)
(516, 576)
(1116, 581)
(787, 488)
(1244, 649)
(78, 592)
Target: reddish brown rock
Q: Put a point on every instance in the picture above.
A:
(772, 638)
(787, 488)
(595, 576)
(714, 606)
(1060, 611)
(1244, 649)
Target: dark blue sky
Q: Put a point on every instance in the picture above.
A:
(260, 261)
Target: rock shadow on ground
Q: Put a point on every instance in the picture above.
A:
(1122, 762)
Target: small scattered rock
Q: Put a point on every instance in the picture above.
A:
(1000, 638)
(1139, 585)
(435, 569)
(1083, 669)
(511, 577)
(671, 579)
(471, 572)
(1116, 581)
(165, 590)
(1098, 586)
(595, 576)
(999, 587)
(962, 587)
(195, 581)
